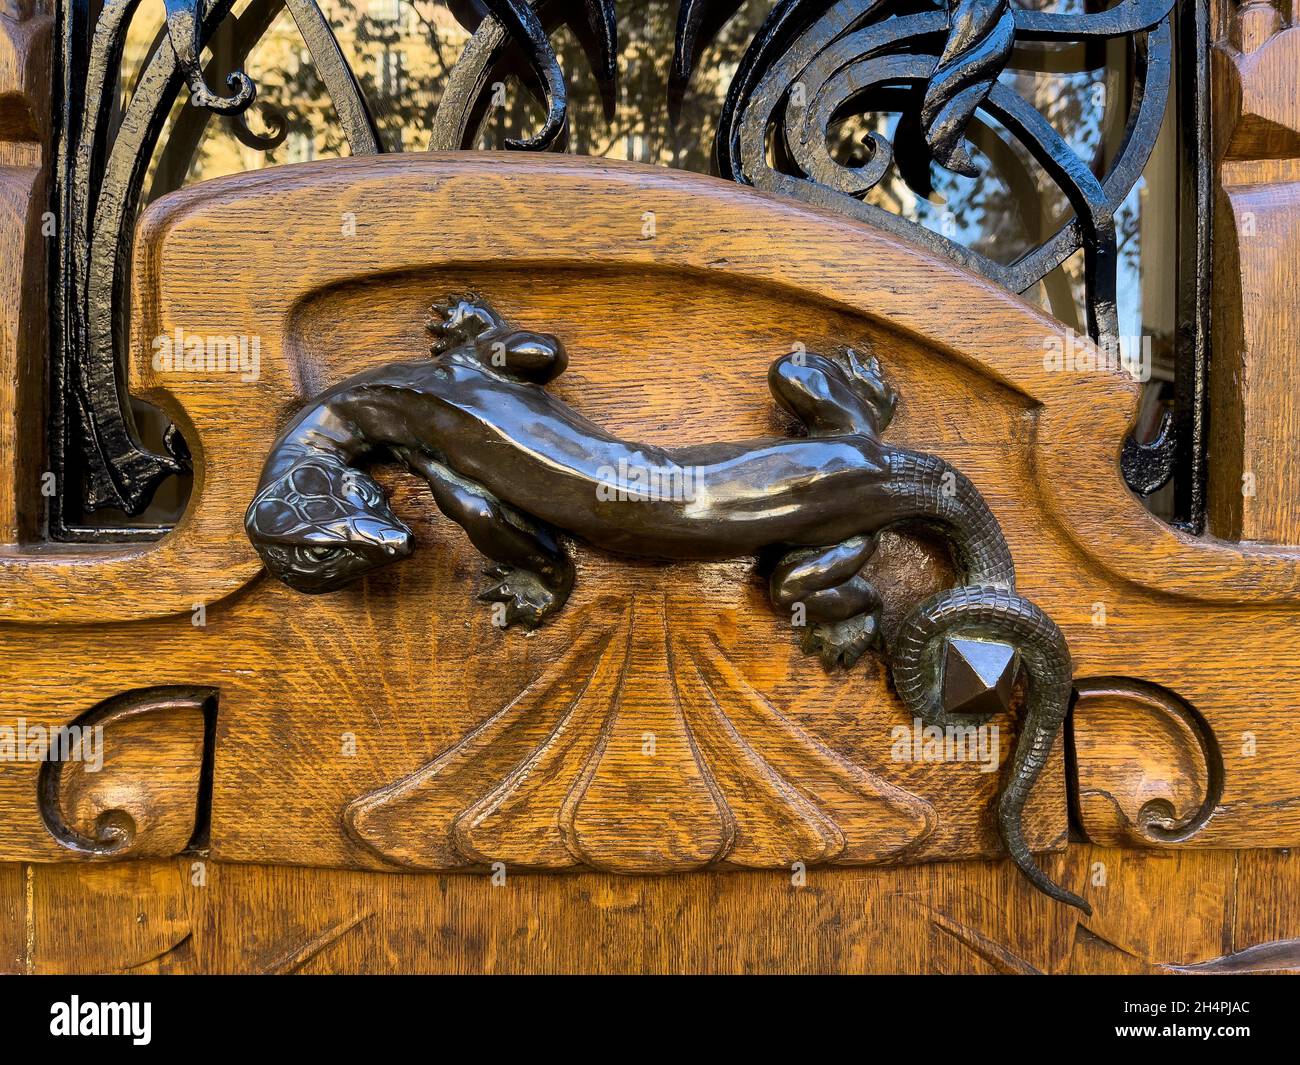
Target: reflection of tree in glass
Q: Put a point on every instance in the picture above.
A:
(401, 52)
(640, 128)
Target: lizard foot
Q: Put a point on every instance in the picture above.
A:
(840, 644)
(525, 596)
(865, 374)
(458, 319)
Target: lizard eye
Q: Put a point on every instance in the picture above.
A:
(323, 554)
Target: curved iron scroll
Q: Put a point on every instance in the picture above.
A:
(98, 202)
(461, 110)
(517, 468)
(98, 197)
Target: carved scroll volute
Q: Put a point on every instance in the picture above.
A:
(143, 797)
(1148, 768)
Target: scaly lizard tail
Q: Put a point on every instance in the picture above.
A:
(984, 606)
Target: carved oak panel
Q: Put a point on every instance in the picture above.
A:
(666, 719)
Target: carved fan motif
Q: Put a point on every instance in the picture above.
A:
(643, 749)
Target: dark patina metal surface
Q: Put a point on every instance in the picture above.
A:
(518, 468)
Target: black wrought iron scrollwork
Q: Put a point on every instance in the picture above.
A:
(349, 101)
(1147, 466)
(698, 21)
(815, 60)
(980, 36)
(278, 123)
(809, 65)
(183, 33)
(518, 468)
(812, 61)
(97, 196)
(101, 173)
(523, 25)
(462, 107)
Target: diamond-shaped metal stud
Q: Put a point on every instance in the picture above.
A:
(978, 675)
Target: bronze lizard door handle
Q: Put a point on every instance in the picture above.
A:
(516, 467)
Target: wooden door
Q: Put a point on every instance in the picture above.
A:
(717, 572)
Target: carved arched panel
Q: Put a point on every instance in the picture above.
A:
(666, 719)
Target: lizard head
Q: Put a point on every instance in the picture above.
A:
(322, 524)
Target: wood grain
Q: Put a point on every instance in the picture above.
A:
(133, 787)
(670, 335)
(1255, 416)
(1147, 769)
(232, 227)
(24, 131)
(1154, 912)
(327, 701)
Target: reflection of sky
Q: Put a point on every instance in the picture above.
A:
(1129, 282)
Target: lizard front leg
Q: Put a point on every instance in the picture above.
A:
(533, 575)
(460, 319)
(841, 609)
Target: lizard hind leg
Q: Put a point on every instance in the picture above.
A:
(836, 608)
(846, 393)
(868, 380)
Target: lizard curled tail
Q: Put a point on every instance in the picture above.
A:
(985, 606)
